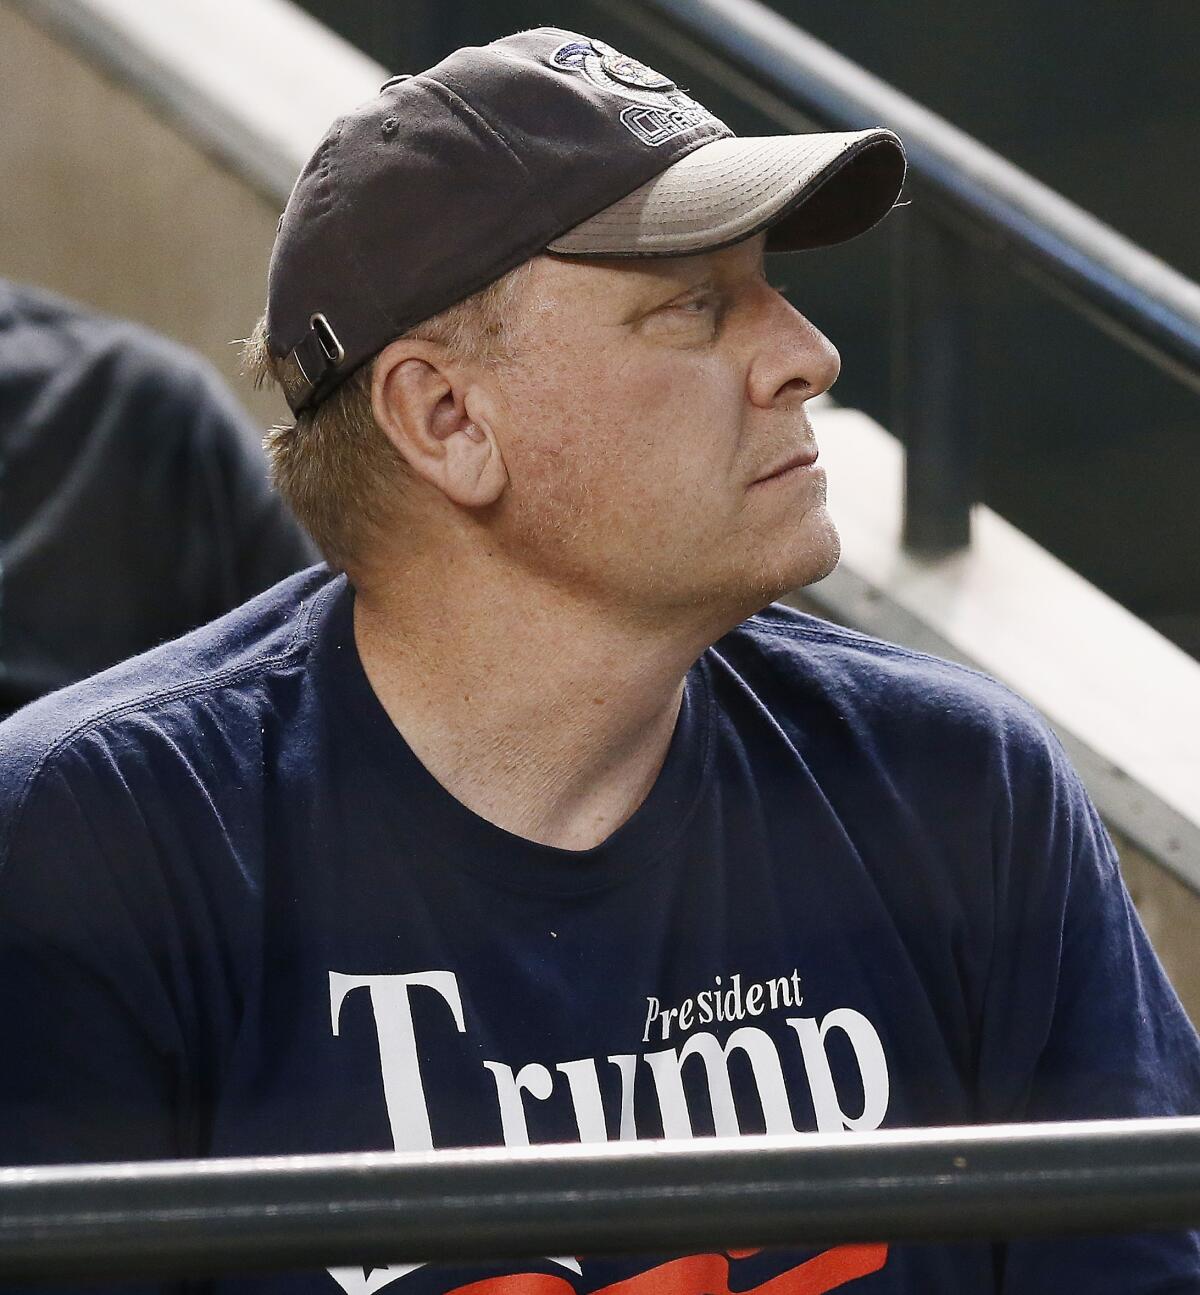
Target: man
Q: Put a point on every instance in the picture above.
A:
(521, 831)
(134, 502)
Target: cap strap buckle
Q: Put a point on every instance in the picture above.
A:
(309, 370)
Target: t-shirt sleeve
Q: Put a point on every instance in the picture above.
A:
(93, 1048)
(93, 1066)
(1078, 990)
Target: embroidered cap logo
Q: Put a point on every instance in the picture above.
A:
(611, 70)
(660, 109)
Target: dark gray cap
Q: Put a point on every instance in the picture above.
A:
(543, 141)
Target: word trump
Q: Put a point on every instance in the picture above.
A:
(725, 1004)
(756, 1080)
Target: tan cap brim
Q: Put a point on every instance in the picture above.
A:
(808, 190)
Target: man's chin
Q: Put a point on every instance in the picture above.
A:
(812, 557)
(807, 555)
(829, 558)
(787, 571)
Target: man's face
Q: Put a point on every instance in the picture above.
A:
(647, 418)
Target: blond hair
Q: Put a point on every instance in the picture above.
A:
(334, 467)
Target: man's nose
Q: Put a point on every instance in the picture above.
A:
(794, 360)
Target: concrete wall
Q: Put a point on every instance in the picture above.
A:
(1171, 914)
(106, 204)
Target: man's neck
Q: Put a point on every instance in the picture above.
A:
(532, 709)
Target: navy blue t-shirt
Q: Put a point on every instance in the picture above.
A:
(238, 916)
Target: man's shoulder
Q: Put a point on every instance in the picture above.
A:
(793, 660)
(228, 665)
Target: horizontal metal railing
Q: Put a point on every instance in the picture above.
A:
(203, 1218)
(966, 199)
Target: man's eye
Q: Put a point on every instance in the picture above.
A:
(697, 305)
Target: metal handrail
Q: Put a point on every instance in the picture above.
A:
(207, 1217)
(967, 199)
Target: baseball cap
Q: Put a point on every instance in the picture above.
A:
(544, 141)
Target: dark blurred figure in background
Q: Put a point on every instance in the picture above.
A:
(134, 502)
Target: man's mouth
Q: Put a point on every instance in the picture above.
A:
(801, 459)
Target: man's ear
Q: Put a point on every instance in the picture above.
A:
(419, 398)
